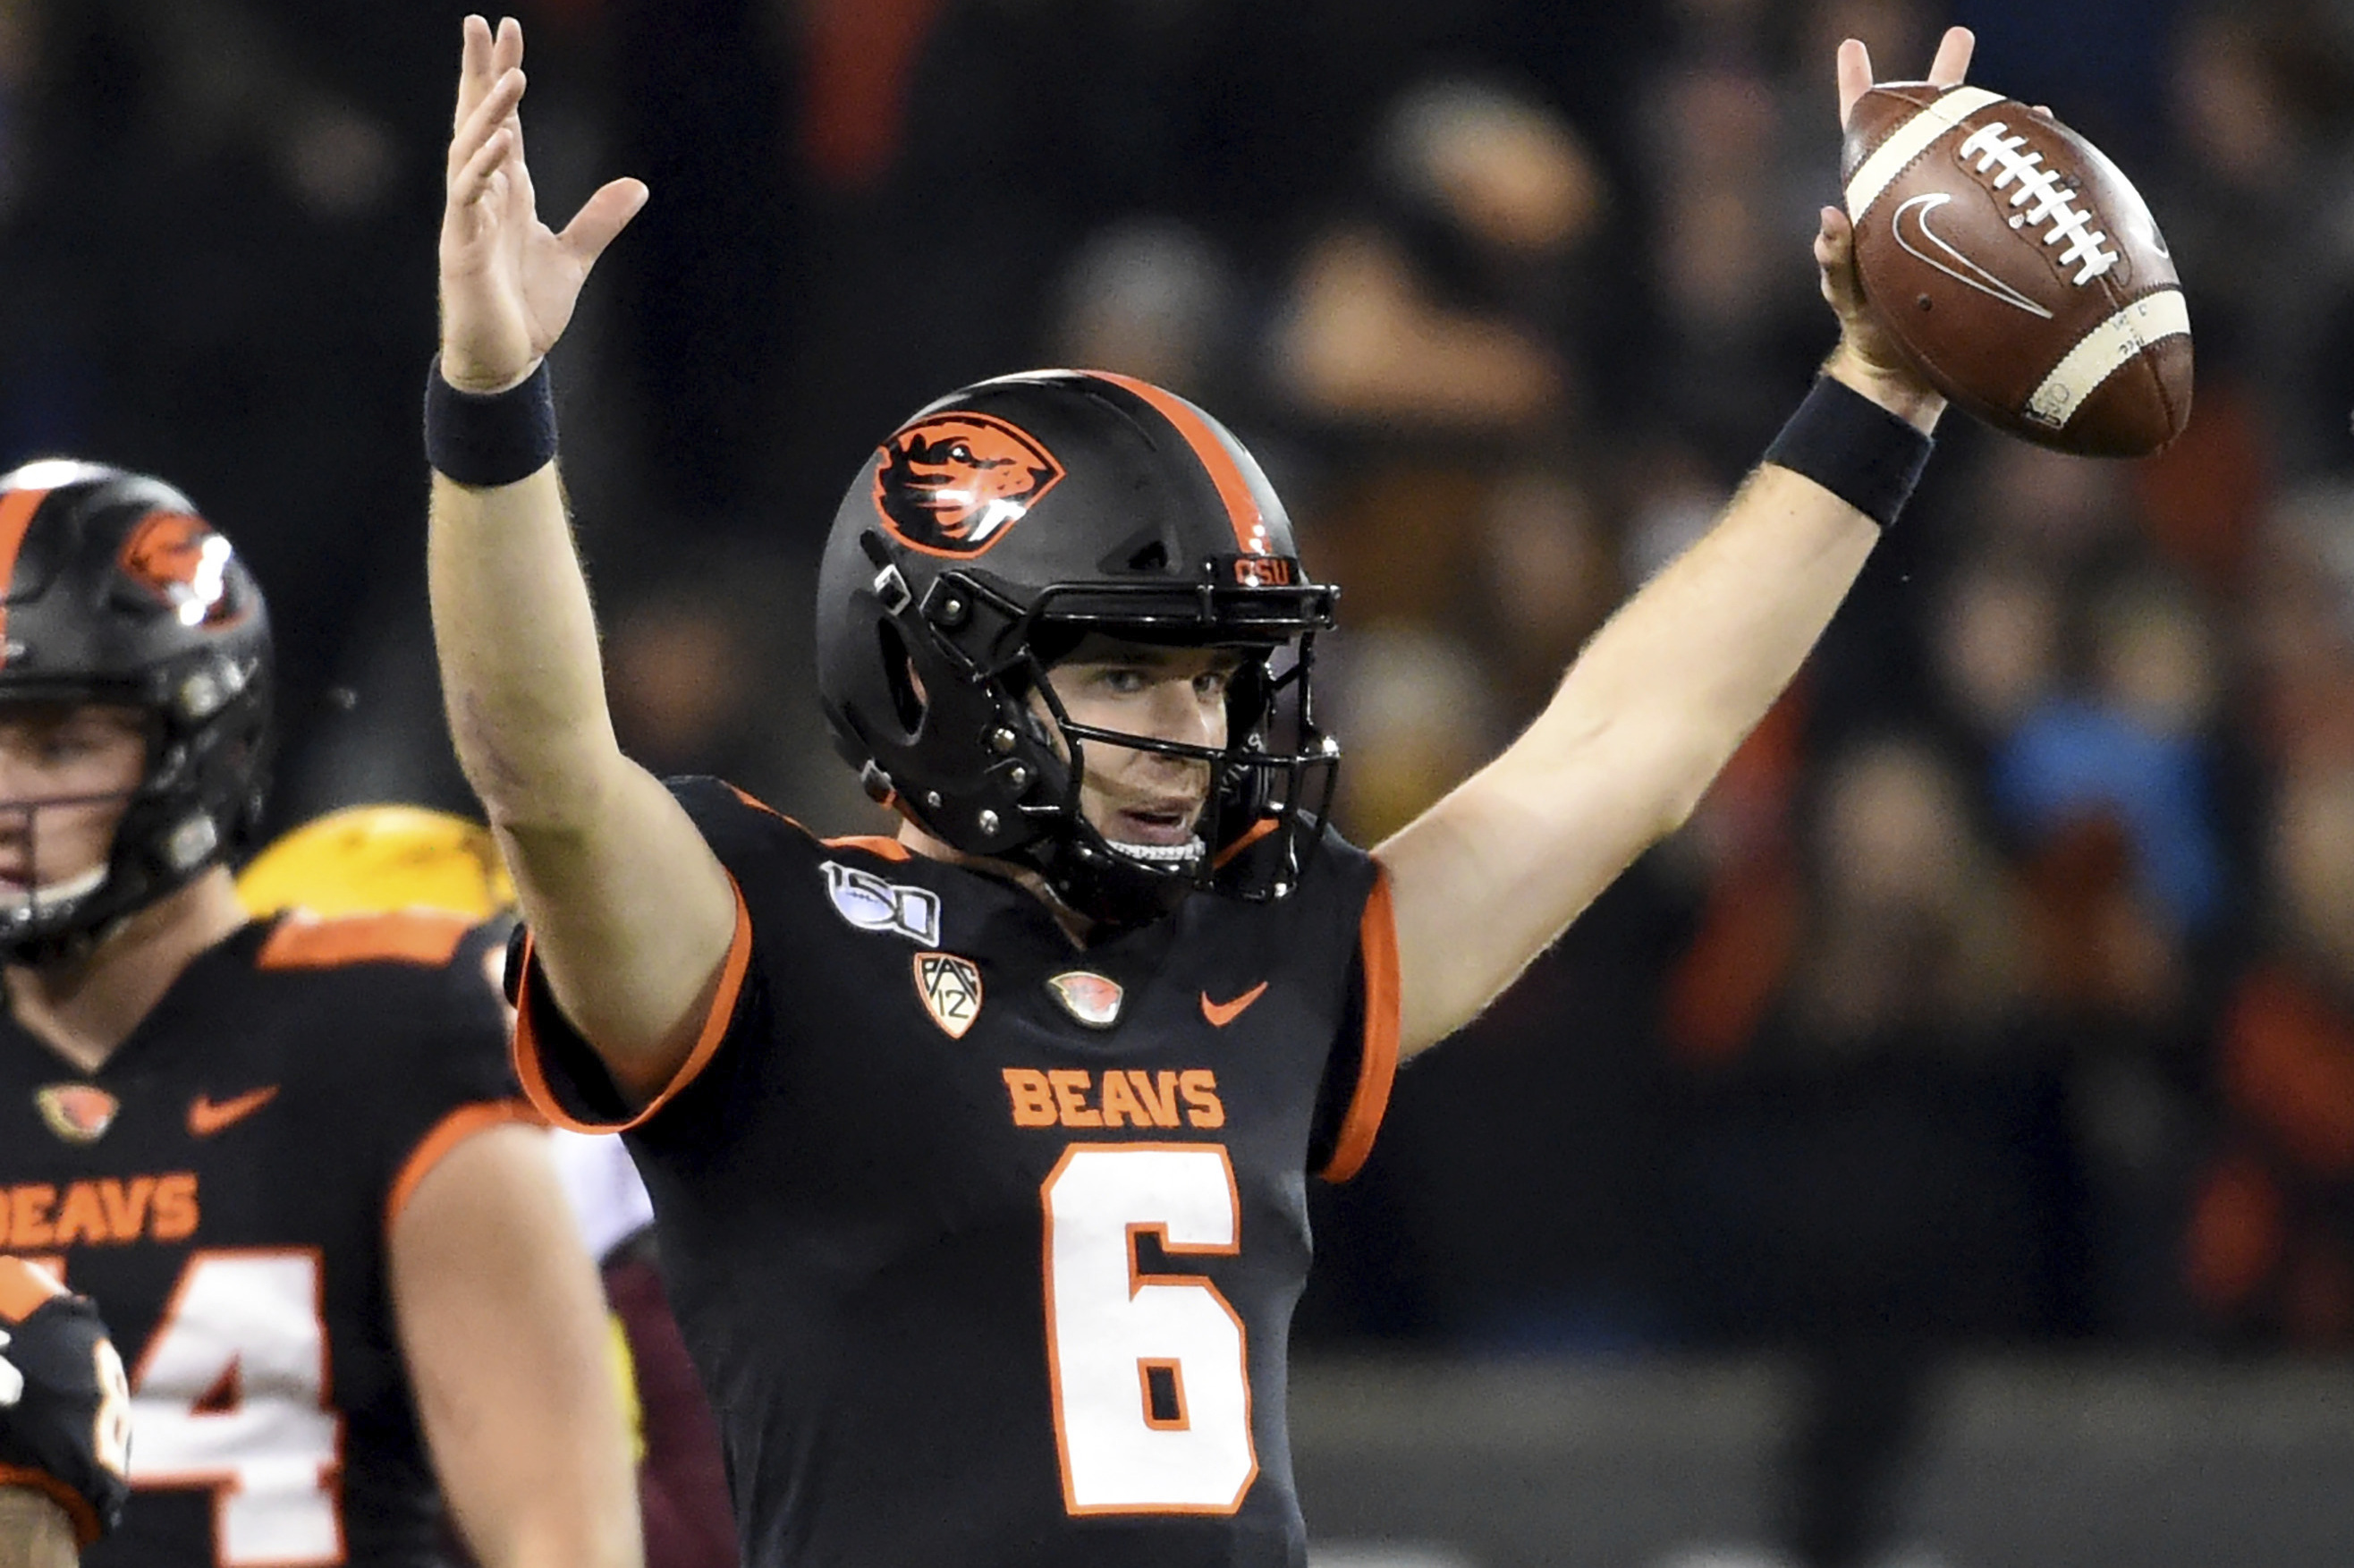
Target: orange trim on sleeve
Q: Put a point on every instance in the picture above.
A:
(533, 1072)
(1377, 940)
(25, 1289)
(448, 1133)
(76, 1507)
(304, 942)
(756, 803)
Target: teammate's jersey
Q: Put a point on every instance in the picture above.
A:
(65, 1416)
(223, 1186)
(986, 1245)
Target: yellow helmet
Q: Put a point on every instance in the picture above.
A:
(370, 860)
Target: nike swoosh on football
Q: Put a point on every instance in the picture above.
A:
(1221, 1014)
(208, 1117)
(1952, 262)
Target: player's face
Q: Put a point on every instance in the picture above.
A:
(67, 773)
(1165, 694)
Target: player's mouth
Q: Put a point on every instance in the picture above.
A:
(1160, 825)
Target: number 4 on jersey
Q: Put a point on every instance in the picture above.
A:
(1114, 1333)
(231, 1394)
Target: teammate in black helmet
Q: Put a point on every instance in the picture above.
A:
(979, 1152)
(287, 1155)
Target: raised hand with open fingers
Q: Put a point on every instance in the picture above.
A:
(508, 281)
(1871, 353)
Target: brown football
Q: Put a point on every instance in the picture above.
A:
(2019, 267)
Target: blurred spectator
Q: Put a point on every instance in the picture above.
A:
(705, 654)
(1875, 1170)
(1152, 299)
(2271, 1247)
(2130, 743)
(2260, 210)
(1439, 306)
(1419, 715)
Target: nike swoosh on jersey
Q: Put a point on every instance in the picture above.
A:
(1221, 1014)
(207, 1116)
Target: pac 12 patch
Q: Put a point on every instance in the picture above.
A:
(1093, 999)
(950, 989)
(871, 904)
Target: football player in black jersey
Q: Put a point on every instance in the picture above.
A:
(979, 1152)
(65, 1421)
(287, 1155)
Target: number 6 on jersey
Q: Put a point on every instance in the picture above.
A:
(1151, 1380)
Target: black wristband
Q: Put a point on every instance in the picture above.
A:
(1855, 449)
(485, 440)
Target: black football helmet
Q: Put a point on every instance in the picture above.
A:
(119, 592)
(988, 536)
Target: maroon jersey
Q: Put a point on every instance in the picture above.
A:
(986, 1245)
(225, 1185)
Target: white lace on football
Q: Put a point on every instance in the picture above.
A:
(2055, 204)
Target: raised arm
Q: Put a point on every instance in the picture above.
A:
(632, 914)
(1657, 702)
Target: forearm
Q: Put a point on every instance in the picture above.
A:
(517, 642)
(1674, 681)
(35, 1532)
(1639, 726)
(1669, 688)
(576, 820)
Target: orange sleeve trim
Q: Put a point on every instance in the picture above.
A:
(872, 843)
(25, 1289)
(1377, 940)
(76, 1507)
(533, 1070)
(303, 941)
(756, 803)
(448, 1133)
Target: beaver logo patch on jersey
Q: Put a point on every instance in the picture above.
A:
(183, 562)
(78, 1112)
(871, 904)
(1093, 999)
(953, 484)
(950, 986)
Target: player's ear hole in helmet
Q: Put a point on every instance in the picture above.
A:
(118, 593)
(982, 543)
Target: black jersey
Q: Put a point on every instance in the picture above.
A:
(223, 1186)
(65, 1410)
(986, 1245)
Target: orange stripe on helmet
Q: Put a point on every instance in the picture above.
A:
(16, 509)
(1241, 506)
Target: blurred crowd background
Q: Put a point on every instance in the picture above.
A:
(2003, 991)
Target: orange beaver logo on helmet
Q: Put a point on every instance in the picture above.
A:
(953, 484)
(183, 562)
